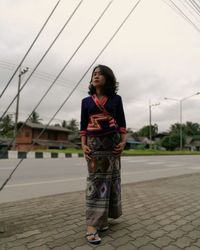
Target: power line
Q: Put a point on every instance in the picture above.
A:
(75, 87)
(196, 6)
(175, 10)
(30, 48)
(62, 70)
(193, 24)
(192, 6)
(59, 33)
(182, 14)
(40, 75)
(190, 11)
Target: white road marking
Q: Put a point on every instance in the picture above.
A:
(6, 168)
(146, 170)
(174, 165)
(156, 162)
(80, 164)
(167, 164)
(195, 167)
(135, 161)
(44, 182)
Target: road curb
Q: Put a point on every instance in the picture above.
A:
(37, 155)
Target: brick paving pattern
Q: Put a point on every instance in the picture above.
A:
(159, 214)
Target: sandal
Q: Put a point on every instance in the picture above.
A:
(93, 238)
(103, 229)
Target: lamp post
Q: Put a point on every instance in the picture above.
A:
(21, 72)
(150, 130)
(181, 114)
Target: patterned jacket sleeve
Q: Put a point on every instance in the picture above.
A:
(84, 118)
(120, 117)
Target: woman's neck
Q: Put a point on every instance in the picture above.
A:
(99, 93)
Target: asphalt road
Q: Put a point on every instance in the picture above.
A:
(39, 177)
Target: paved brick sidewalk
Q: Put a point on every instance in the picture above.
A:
(160, 214)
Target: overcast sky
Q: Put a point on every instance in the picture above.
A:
(156, 54)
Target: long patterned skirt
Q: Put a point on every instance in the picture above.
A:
(103, 194)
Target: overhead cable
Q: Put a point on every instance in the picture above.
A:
(45, 23)
(188, 7)
(182, 14)
(59, 74)
(75, 87)
(38, 74)
(175, 10)
(42, 58)
(196, 6)
(190, 21)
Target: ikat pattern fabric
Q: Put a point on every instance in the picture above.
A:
(103, 194)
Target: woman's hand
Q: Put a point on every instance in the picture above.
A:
(86, 151)
(119, 148)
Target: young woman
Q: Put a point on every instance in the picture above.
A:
(103, 132)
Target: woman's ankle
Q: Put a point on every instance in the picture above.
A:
(91, 229)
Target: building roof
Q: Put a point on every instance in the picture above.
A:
(42, 126)
(131, 141)
(50, 143)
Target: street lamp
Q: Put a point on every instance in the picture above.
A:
(181, 112)
(150, 131)
(21, 72)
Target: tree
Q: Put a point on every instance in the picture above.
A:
(188, 129)
(73, 125)
(64, 124)
(35, 118)
(57, 125)
(175, 128)
(144, 131)
(7, 126)
(129, 130)
(192, 128)
(172, 141)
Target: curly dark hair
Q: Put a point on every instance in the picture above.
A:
(111, 85)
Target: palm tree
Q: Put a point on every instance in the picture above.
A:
(34, 118)
(7, 126)
(175, 128)
(192, 128)
(73, 125)
(64, 124)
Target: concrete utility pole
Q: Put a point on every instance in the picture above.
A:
(21, 72)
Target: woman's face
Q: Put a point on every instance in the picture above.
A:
(98, 79)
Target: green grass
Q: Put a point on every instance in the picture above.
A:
(65, 151)
(127, 152)
(158, 152)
